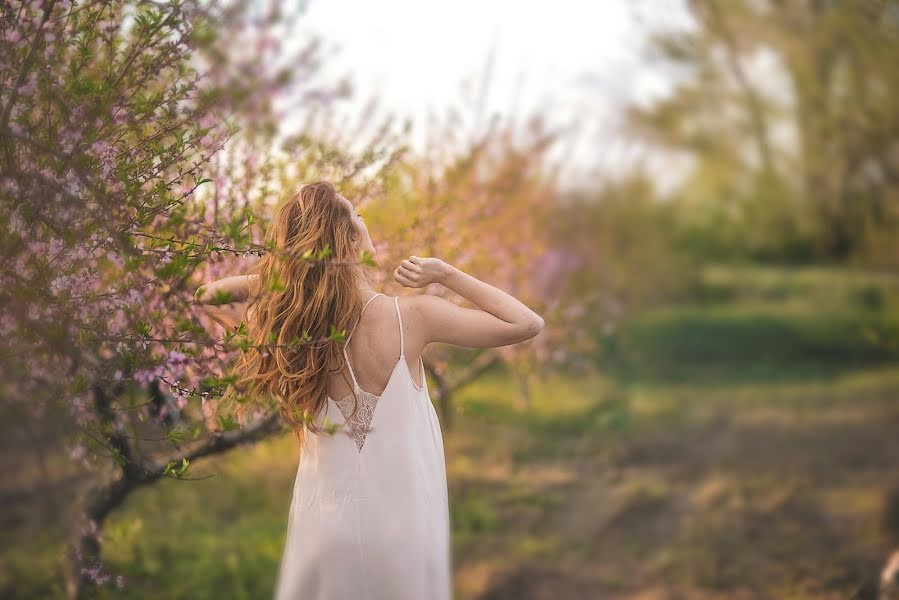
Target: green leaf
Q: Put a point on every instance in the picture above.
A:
(275, 283)
(143, 328)
(175, 435)
(177, 471)
(367, 259)
(227, 423)
(335, 335)
(222, 297)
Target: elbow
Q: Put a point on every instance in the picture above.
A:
(200, 295)
(535, 327)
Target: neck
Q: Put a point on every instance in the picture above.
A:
(364, 288)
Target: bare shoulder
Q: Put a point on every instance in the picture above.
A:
(420, 307)
(419, 312)
(416, 302)
(411, 307)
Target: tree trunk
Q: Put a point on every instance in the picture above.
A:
(444, 399)
(524, 390)
(132, 472)
(99, 500)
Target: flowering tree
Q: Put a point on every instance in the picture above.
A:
(482, 200)
(113, 119)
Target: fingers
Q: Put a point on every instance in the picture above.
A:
(407, 272)
(410, 272)
(400, 276)
(411, 266)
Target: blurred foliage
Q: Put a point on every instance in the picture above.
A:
(790, 113)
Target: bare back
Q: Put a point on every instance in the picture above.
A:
(374, 347)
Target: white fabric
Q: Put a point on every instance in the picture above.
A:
(369, 519)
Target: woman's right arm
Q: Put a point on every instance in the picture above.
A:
(502, 319)
(236, 288)
(225, 300)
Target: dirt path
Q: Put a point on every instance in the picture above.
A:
(761, 502)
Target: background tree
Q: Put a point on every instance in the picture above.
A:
(787, 109)
(480, 202)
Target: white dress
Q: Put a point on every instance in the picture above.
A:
(369, 519)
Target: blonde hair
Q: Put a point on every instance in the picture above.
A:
(300, 302)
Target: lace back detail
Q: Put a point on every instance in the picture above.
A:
(358, 423)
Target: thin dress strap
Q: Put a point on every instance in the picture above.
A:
(396, 301)
(347, 342)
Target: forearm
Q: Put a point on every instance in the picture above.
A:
(225, 291)
(489, 298)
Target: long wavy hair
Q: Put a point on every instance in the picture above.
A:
(298, 304)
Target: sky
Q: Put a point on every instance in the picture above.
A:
(576, 62)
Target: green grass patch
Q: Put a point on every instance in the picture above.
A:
(746, 343)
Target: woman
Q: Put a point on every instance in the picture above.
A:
(369, 516)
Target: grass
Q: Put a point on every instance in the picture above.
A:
(747, 343)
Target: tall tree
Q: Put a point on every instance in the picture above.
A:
(790, 106)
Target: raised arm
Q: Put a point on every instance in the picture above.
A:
(499, 320)
(225, 300)
(225, 290)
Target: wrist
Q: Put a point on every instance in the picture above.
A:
(450, 273)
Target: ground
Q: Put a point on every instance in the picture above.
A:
(739, 445)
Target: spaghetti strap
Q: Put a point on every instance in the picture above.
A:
(353, 330)
(396, 301)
